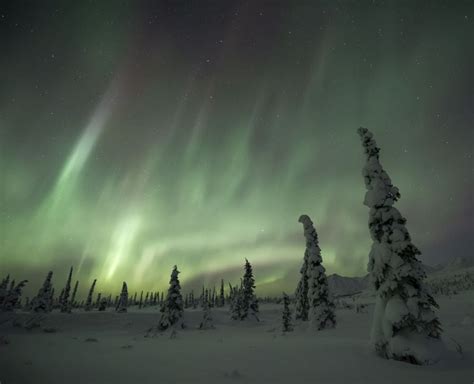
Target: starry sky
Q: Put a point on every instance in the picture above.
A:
(135, 135)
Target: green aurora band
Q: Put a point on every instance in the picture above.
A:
(130, 143)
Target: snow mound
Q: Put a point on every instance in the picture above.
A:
(418, 349)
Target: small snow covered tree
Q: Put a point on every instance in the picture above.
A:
(213, 297)
(103, 304)
(222, 294)
(207, 321)
(13, 296)
(202, 297)
(8, 289)
(51, 299)
(145, 303)
(286, 315)
(88, 305)
(97, 301)
(302, 302)
(57, 304)
(42, 301)
(74, 293)
(249, 300)
(321, 306)
(123, 299)
(65, 305)
(4, 289)
(172, 309)
(235, 300)
(405, 326)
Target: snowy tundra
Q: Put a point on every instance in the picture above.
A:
(110, 347)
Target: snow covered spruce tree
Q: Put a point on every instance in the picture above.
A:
(248, 297)
(221, 300)
(103, 304)
(4, 289)
(13, 296)
(405, 326)
(57, 303)
(88, 305)
(202, 297)
(235, 300)
(321, 306)
(302, 303)
(214, 298)
(286, 315)
(51, 299)
(207, 321)
(172, 309)
(65, 305)
(74, 293)
(123, 300)
(42, 301)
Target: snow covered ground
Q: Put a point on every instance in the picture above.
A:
(106, 347)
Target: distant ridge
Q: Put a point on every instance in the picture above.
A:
(343, 285)
(458, 263)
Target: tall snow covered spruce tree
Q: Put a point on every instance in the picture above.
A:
(221, 300)
(405, 326)
(65, 304)
(321, 306)
(301, 294)
(122, 303)
(172, 309)
(42, 301)
(286, 315)
(249, 299)
(74, 293)
(88, 305)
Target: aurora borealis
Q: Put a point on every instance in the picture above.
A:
(139, 135)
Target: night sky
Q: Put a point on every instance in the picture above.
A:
(138, 135)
